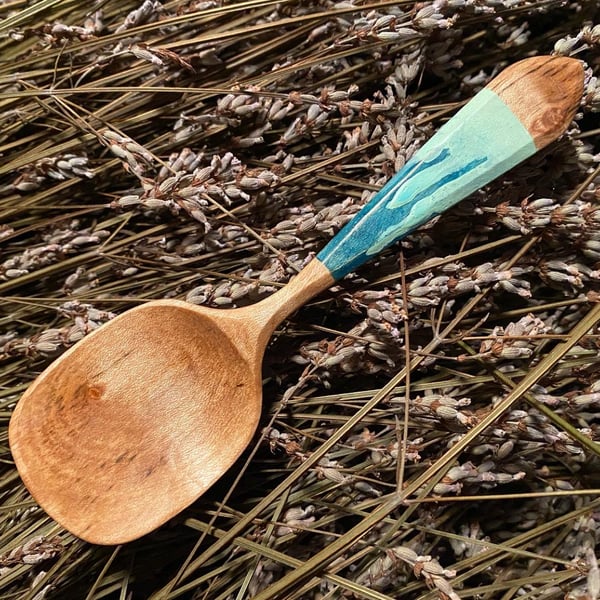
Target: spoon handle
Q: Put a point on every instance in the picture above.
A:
(526, 107)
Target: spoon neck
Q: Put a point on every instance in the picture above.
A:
(312, 280)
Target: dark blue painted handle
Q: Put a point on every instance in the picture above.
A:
(482, 141)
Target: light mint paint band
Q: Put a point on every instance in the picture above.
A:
(482, 141)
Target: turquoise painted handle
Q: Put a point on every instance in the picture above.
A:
(482, 141)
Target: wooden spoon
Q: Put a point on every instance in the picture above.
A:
(138, 419)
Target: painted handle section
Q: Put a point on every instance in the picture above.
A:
(482, 141)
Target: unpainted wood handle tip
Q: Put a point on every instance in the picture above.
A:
(544, 92)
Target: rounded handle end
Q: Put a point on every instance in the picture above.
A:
(544, 93)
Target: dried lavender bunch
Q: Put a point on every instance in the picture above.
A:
(206, 151)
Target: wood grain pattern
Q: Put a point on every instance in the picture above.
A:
(114, 443)
(138, 419)
(544, 93)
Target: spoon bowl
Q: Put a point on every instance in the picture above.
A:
(152, 443)
(141, 417)
(138, 419)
